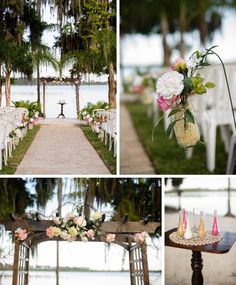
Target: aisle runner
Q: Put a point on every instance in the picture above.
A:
(133, 158)
(61, 148)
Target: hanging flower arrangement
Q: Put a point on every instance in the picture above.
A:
(174, 89)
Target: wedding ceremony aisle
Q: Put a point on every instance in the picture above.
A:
(133, 158)
(60, 147)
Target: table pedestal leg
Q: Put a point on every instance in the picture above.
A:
(197, 265)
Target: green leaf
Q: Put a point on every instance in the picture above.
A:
(210, 85)
(187, 84)
(170, 127)
(189, 116)
(174, 112)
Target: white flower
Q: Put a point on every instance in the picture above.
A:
(96, 216)
(83, 238)
(57, 221)
(80, 221)
(64, 235)
(170, 84)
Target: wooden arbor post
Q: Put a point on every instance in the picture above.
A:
(21, 264)
(77, 85)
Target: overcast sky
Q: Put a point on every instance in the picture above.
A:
(142, 50)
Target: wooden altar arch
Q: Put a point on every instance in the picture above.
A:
(75, 81)
(138, 262)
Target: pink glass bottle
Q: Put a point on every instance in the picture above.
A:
(184, 218)
(215, 229)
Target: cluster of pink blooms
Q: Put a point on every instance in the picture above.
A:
(140, 237)
(20, 234)
(73, 226)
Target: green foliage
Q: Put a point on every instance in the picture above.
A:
(199, 86)
(167, 157)
(19, 152)
(14, 196)
(90, 107)
(102, 150)
(32, 107)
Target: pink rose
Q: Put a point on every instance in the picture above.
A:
(164, 106)
(90, 234)
(21, 234)
(110, 238)
(179, 64)
(140, 237)
(138, 89)
(50, 232)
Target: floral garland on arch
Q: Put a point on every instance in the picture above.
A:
(75, 225)
(176, 87)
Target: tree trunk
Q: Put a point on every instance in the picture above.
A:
(38, 86)
(59, 198)
(8, 86)
(111, 86)
(183, 26)
(0, 85)
(165, 31)
(202, 24)
(77, 85)
(44, 99)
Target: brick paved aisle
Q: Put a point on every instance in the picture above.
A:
(60, 147)
(133, 158)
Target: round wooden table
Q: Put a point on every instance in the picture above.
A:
(223, 246)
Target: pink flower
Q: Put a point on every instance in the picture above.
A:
(90, 234)
(110, 238)
(140, 237)
(80, 221)
(50, 232)
(21, 234)
(179, 64)
(164, 106)
(138, 89)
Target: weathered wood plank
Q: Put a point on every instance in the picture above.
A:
(107, 227)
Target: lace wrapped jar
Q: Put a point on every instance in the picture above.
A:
(187, 133)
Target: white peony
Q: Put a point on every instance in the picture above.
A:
(170, 84)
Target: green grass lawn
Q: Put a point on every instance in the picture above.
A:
(19, 152)
(102, 150)
(167, 157)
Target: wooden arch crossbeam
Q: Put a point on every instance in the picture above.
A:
(139, 273)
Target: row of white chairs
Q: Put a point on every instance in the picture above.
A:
(108, 127)
(11, 119)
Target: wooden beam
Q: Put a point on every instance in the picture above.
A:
(107, 227)
(60, 80)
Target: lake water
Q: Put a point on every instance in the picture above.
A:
(205, 200)
(83, 278)
(88, 93)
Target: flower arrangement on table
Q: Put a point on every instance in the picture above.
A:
(176, 87)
